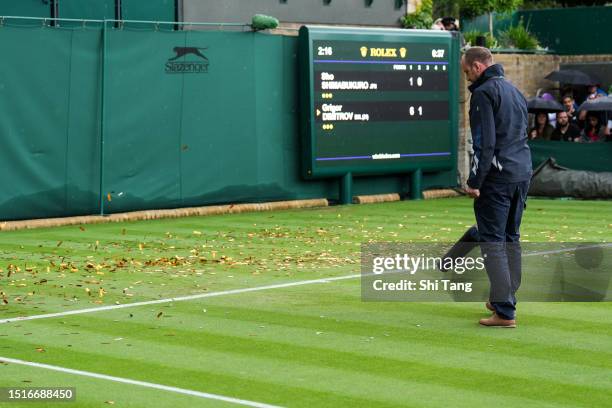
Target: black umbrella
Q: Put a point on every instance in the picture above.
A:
(571, 76)
(603, 103)
(538, 104)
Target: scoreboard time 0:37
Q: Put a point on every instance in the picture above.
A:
(376, 101)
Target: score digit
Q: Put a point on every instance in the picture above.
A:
(437, 53)
(419, 81)
(418, 111)
(325, 51)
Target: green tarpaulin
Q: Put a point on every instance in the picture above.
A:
(577, 156)
(552, 180)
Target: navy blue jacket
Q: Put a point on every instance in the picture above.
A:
(498, 119)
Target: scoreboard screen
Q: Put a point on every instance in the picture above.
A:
(377, 101)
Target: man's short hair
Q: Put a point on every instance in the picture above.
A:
(450, 22)
(561, 113)
(567, 96)
(478, 54)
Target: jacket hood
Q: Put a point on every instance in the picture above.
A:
(493, 71)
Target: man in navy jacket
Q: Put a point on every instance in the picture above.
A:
(499, 177)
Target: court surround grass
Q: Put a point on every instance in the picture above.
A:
(308, 345)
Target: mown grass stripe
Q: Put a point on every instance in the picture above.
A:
(392, 385)
(137, 382)
(274, 383)
(281, 342)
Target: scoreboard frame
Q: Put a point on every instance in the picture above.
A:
(307, 37)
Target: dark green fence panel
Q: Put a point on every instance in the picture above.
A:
(87, 9)
(150, 10)
(574, 31)
(588, 156)
(48, 160)
(28, 8)
(577, 30)
(501, 22)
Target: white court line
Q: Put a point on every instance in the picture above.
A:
(179, 299)
(558, 251)
(177, 390)
(243, 290)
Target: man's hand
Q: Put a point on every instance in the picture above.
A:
(472, 192)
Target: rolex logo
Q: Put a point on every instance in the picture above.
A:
(403, 52)
(364, 51)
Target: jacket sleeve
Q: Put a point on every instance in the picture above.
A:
(481, 165)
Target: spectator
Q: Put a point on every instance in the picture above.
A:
(571, 108)
(542, 129)
(594, 131)
(595, 91)
(552, 117)
(450, 24)
(582, 115)
(437, 25)
(565, 130)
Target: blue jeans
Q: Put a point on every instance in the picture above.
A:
(498, 211)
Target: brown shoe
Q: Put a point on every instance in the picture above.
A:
(490, 306)
(496, 321)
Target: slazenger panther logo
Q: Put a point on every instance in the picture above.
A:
(198, 64)
(182, 51)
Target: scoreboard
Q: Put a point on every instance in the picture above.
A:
(376, 101)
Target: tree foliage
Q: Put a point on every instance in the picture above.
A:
(421, 18)
(473, 8)
(519, 36)
(444, 8)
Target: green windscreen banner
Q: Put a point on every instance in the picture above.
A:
(123, 119)
(192, 133)
(27, 8)
(151, 10)
(49, 100)
(86, 9)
